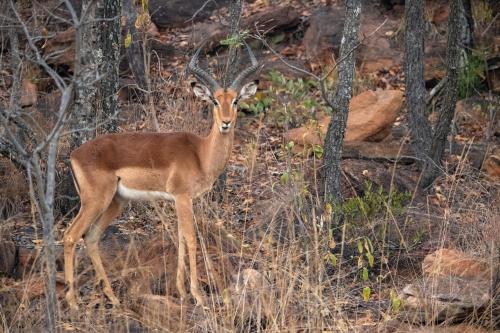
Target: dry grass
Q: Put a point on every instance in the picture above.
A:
(14, 188)
(279, 230)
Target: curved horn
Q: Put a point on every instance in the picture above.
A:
(250, 70)
(200, 73)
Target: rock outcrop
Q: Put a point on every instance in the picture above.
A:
(371, 115)
(455, 287)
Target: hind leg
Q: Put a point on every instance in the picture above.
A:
(94, 200)
(92, 238)
(87, 215)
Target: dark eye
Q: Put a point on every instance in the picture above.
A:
(235, 102)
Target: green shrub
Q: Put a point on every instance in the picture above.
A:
(471, 76)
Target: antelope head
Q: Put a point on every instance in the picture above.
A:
(225, 100)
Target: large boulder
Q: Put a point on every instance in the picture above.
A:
(324, 32)
(455, 286)
(175, 13)
(324, 35)
(462, 328)
(446, 262)
(371, 114)
(274, 19)
(7, 256)
(380, 33)
(29, 93)
(492, 165)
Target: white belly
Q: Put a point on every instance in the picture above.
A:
(139, 195)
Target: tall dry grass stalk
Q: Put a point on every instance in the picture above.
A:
(264, 259)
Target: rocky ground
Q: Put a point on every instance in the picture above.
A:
(406, 260)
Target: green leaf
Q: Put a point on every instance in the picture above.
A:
(366, 293)
(364, 274)
(284, 178)
(368, 245)
(371, 259)
(235, 40)
(360, 246)
(128, 40)
(244, 105)
(332, 258)
(318, 151)
(395, 301)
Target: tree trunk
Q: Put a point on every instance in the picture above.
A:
(134, 51)
(47, 221)
(110, 36)
(87, 61)
(233, 61)
(467, 24)
(454, 49)
(421, 131)
(340, 102)
(232, 68)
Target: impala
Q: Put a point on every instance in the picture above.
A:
(114, 169)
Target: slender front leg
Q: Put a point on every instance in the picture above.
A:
(184, 207)
(181, 267)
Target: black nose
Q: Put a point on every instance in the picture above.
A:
(226, 123)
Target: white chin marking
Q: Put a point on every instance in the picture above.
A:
(139, 195)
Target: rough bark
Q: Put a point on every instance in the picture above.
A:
(340, 103)
(16, 66)
(109, 41)
(454, 49)
(467, 24)
(421, 131)
(134, 51)
(232, 68)
(87, 59)
(232, 65)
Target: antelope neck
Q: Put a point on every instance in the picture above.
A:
(217, 150)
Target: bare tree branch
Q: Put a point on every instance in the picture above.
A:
(61, 85)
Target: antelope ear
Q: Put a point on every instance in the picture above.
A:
(249, 89)
(202, 91)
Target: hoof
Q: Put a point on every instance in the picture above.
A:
(199, 300)
(182, 293)
(113, 300)
(71, 300)
(73, 308)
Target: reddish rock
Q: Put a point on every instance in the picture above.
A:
(324, 35)
(371, 113)
(463, 328)
(491, 165)
(7, 256)
(446, 262)
(176, 13)
(29, 93)
(26, 258)
(324, 32)
(61, 47)
(455, 286)
(34, 286)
